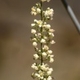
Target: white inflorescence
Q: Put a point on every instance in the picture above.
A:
(41, 39)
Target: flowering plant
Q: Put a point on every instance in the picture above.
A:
(41, 39)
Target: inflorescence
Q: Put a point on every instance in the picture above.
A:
(42, 37)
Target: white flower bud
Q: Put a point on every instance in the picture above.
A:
(39, 34)
(33, 31)
(51, 34)
(37, 75)
(49, 52)
(49, 78)
(43, 41)
(52, 42)
(45, 47)
(49, 72)
(48, 26)
(44, 67)
(51, 30)
(36, 56)
(38, 10)
(34, 44)
(35, 20)
(34, 39)
(34, 66)
(39, 23)
(51, 60)
(32, 24)
(44, 54)
(52, 56)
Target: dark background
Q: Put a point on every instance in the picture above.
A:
(16, 50)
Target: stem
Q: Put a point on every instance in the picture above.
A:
(41, 31)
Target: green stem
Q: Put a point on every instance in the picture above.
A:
(41, 31)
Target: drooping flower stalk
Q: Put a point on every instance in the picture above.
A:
(41, 40)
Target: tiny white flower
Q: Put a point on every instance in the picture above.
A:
(38, 10)
(51, 34)
(37, 75)
(33, 31)
(35, 20)
(44, 67)
(52, 42)
(34, 66)
(51, 60)
(39, 23)
(32, 24)
(39, 34)
(35, 44)
(34, 39)
(33, 10)
(48, 26)
(49, 52)
(36, 56)
(43, 41)
(49, 72)
(45, 47)
(52, 56)
(49, 78)
(51, 30)
(44, 54)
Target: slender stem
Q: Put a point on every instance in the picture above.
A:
(41, 31)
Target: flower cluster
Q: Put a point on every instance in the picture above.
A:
(36, 9)
(43, 71)
(42, 37)
(47, 14)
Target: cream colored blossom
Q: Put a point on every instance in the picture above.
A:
(43, 41)
(49, 72)
(44, 54)
(34, 66)
(51, 30)
(51, 60)
(35, 44)
(36, 56)
(45, 47)
(33, 31)
(52, 42)
(49, 78)
(49, 51)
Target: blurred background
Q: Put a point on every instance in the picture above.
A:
(16, 50)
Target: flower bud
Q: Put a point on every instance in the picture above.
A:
(52, 42)
(45, 47)
(33, 31)
(34, 44)
(36, 56)
(51, 60)
(49, 51)
(43, 41)
(44, 54)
